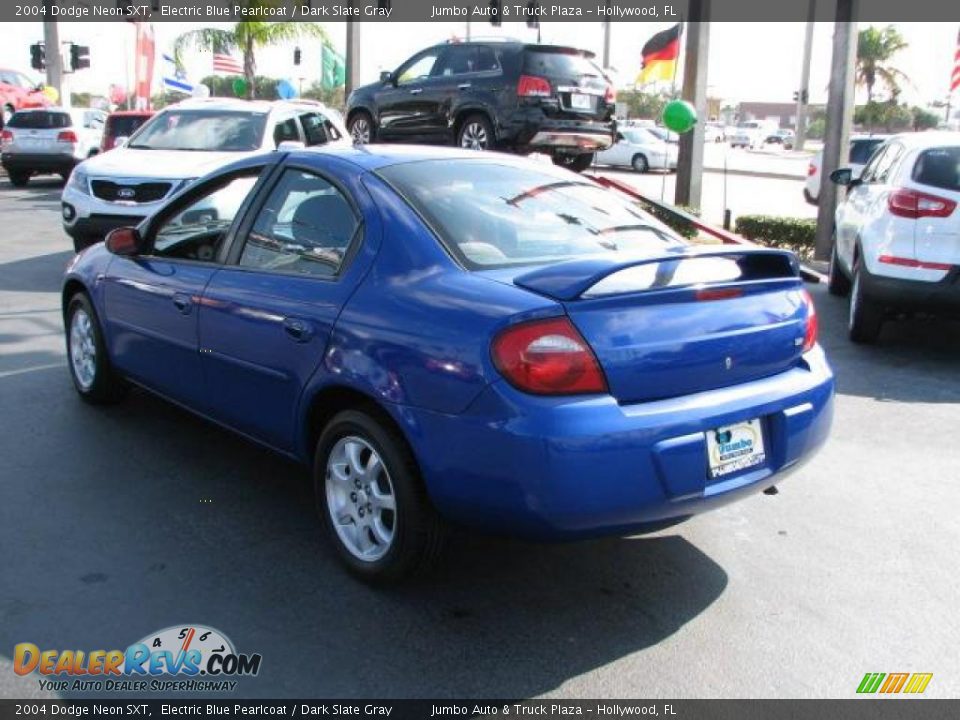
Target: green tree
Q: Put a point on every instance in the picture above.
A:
(875, 48)
(924, 119)
(247, 37)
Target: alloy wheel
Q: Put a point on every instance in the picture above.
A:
(473, 136)
(360, 131)
(83, 349)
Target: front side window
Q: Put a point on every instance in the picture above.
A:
(212, 130)
(197, 231)
(861, 150)
(305, 227)
(417, 69)
(494, 215)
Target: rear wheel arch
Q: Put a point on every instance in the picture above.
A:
(364, 110)
(462, 113)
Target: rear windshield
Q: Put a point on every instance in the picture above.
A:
(40, 120)
(557, 63)
(497, 215)
(124, 125)
(861, 150)
(212, 130)
(939, 168)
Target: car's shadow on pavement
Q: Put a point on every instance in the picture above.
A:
(122, 521)
(43, 190)
(914, 360)
(40, 274)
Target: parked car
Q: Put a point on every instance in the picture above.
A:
(121, 125)
(453, 336)
(782, 137)
(714, 132)
(861, 148)
(748, 134)
(492, 95)
(896, 247)
(19, 92)
(173, 148)
(48, 140)
(640, 149)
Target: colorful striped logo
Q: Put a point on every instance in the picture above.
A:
(913, 683)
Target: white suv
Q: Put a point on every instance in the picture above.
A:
(897, 235)
(179, 144)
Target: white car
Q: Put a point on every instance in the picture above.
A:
(640, 149)
(49, 140)
(897, 234)
(748, 134)
(861, 148)
(714, 132)
(178, 145)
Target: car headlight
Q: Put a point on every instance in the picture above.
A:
(79, 181)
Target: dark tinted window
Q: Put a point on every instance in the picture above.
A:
(39, 120)
(939, 168)
(490, 214)
(861, 150)
(305, 227)
(286, 130)
(553, 63)
(318, 130)
(124, 125)
(466, 59)
(202, 130)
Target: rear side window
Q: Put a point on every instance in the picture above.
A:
(493, 215)
(40, 120)
(558, 64)
(939, 168)
(861, 150)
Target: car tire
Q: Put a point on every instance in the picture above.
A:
(93, 375)
(810, 198)
(355, 492)
(837, 284)
(19, 178)
(866, 318)
(576, 163)
(639, 163)
(362, 129)
(476, 133)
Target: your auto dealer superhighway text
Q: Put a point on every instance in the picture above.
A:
(296, 709)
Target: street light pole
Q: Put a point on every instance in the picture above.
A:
(803, 94)
(353, 57)
(51, 42)
(606, 39)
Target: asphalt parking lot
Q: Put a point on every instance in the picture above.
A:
(118, 522)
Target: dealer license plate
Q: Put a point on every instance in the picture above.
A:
(580, 101)
(735, 447)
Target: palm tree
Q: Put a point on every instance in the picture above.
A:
(247, 37)
(875, 47)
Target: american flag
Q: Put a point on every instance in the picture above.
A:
(955, 77)
(223, 63)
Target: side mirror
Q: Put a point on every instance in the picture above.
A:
(124, 241)
(842, 176)
(386, 76)
(120, 141)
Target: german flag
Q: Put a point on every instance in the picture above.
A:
(660, 56)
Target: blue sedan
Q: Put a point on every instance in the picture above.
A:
(458, 337)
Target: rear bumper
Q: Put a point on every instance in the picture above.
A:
(532, 129)
(39, 162)
(579, 140)
(941, 297)
(566, 468)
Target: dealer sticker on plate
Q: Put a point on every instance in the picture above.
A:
(735, 447)
(580, 101)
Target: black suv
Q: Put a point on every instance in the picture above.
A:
(504, 95)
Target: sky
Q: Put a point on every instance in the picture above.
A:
(748, 61)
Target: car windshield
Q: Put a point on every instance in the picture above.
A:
(40, 120)
(939, 168)
(211, 130)
(496, 215)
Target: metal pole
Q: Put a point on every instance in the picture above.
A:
(697, 50)
(803, 96)
(353, 56)
(51, 42)
(606, 39)
(468, 31)
(836, 146)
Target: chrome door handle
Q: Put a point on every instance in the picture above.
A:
(463, 86)
(416, 91)
(298, 330)
(182, 303)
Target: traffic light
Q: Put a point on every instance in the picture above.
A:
(296, 56)
(533, 20)
(798, 94)
(38, 57)
(79, 57)
(495, 13)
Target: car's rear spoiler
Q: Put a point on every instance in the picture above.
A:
(569, 280)
(725, 236)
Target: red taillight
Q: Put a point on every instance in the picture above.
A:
(913, 263)
(548, 357)
(533, 86)
(718, 293)
(67, 136)
(811, 170)
(813, 324)
(610, 96)
(913, 204)
(6, 137)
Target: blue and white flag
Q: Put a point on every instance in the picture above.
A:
(175, 78)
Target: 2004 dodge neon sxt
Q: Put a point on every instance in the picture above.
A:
(451, 336)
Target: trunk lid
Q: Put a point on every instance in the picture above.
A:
(936, 236)
(683, 322)
(579, 88)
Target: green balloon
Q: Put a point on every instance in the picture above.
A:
(679, 116)
(239, 86)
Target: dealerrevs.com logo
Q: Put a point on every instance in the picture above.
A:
(182, 658)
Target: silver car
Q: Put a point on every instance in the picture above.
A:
(49, 140)
(640, 149)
